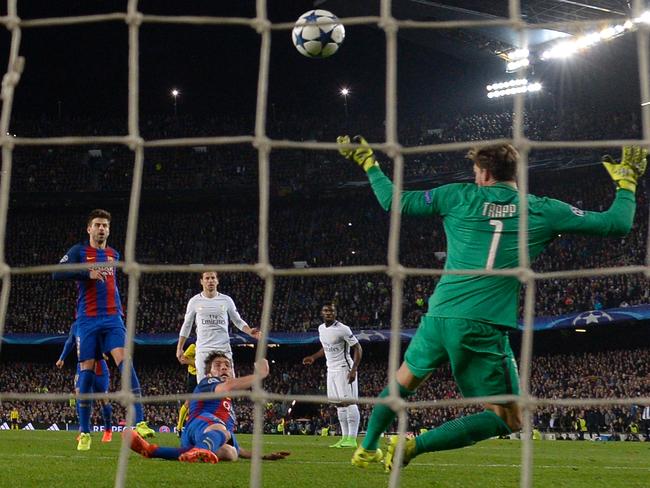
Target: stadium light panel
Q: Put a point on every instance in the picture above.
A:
(512, 87)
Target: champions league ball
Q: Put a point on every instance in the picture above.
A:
(318, 34)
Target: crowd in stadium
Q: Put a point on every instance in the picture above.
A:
(326, 232)
(614, 374)
(110, 167)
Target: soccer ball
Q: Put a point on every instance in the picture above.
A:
(318, 34)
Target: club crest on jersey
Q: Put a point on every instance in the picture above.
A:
(577, 211)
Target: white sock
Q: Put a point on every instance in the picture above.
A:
(343, 420)
(353, 420)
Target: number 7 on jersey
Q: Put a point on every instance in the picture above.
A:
(494, 245)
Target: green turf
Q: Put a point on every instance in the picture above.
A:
(50, 459)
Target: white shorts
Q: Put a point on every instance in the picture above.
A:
(202, 355)
(338, 387)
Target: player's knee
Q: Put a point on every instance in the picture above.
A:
(510, 414)
(227, 453)
(512, 418)
(514, 423)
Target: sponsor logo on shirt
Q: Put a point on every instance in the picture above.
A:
(212, 319)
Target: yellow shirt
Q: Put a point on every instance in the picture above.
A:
(14, 414)
(190, 353)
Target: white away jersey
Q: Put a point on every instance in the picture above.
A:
(211, 317)
(337, 339)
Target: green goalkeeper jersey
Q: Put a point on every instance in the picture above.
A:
(481, 224)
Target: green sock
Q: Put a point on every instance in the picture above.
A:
(380, 418)
(461, 432)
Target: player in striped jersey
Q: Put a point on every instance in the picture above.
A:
(100, 385)
(338, 340)
(211, 312)
(210, 432)
(99, 322)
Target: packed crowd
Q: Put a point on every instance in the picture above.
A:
(322, 232)
(612, 374)
(230, 167)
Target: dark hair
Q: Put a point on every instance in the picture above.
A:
(209, 271)
(207, 366)
(98, 213)
(500, 160)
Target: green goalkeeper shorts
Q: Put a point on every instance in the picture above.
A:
(481, 359)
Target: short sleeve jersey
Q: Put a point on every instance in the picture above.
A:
(96, 298)
(337, 339)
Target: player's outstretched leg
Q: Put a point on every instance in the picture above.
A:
(186, 455)
(457, 433)
(362, 457)
(381, 418)
(138, 444)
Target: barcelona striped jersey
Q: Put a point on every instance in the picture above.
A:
(222, 408)
(95, 298)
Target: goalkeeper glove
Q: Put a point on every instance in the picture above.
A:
(363, 156)
(632, 166)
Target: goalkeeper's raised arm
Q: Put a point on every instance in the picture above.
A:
(618, 219)
(428, 202)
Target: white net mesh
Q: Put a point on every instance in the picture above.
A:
(398, 273)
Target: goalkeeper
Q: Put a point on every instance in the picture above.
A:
(469, 317)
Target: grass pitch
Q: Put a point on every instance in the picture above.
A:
(50, 459)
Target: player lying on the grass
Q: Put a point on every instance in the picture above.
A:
(100, 384)
(469, 316)
(209, 435)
